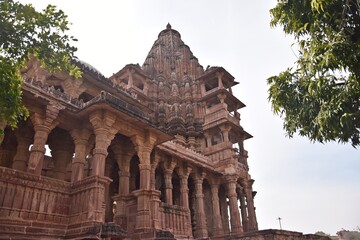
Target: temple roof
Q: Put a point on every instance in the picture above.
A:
(169, 55)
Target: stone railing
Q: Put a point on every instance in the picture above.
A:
(87, 208)
(119, 104)
(220, 114)
(43, 206)
(175, 219)
(51, 90)
(31, 204)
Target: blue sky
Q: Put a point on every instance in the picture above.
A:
(312, 186)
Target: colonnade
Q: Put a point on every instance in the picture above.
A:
(76, 144)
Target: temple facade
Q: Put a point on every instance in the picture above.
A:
(153, 152)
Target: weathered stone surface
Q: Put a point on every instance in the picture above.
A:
(153, 152)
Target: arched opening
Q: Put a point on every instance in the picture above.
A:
(58, 163)
(111, 171)
(160, 183)
(134, 183)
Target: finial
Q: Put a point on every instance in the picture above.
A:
(168, 26)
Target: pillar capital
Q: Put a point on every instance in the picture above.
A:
(80, 136)
(184, 172)
(102, 119)
(169, 166)
(199, 177)
(225, 127)
(231, 178)
(144, 146)
(43, 124)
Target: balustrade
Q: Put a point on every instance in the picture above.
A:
(175, 218)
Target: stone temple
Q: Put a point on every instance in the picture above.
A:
(153, 152)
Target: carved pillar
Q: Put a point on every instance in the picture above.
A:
(103, 123)
(184, 188)
(123, 152)
(184, 196)
(243, 210)
(219, 76)
(236, 227)
(24, 137)
(81, 138)
(224, 213)
(225, 129)
(143, 147)
(43, 124)
(169, 168)
(216, 209)
(153, 170)
(252, 224)
(207, 137)
(201, 230)
(168, 186)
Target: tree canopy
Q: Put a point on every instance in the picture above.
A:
(320, 96)
(25, 32)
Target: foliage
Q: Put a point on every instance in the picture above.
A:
(25, 32)
(320, 97)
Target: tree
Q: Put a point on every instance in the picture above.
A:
(320, 97)
(24, 32)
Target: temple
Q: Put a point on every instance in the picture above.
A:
(153, 152)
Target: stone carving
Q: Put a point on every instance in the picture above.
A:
(145, 154)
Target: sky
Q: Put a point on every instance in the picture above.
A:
(311, 186)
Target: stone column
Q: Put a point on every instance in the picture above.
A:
(184, 188)
(81, 138)
(43, 124)
(219, 76)
(123, 153)
(153, 170)
(243, 206)
(216, 209)
(224, 215)
(201, 230)
(207, 139)
(103, 123)
(184, 196)
(252, 224)
(225, 129)
(168, 186)
(168, 171)
(24, 137)
(236, 227)
(143, 147)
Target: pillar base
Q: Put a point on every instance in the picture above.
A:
(144, 216)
